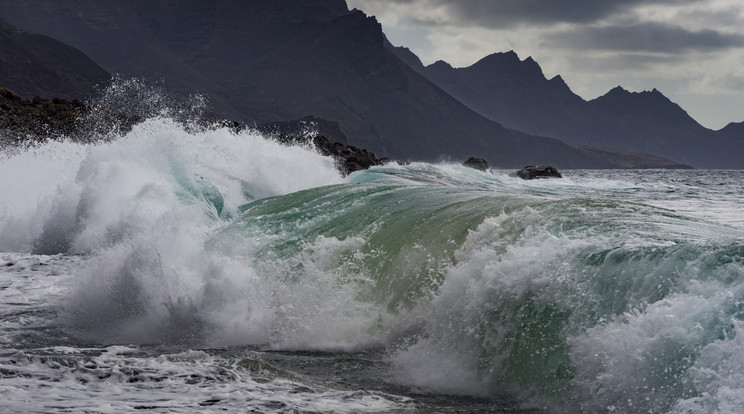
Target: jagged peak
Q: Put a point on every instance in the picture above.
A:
(531, 63)
(559, 83)
(653, 98)
(557, 78)
(619, 90)
(656, 95)
(511, 62)
(440, 64)
(511, 53)
(405, 54)
(510, 56)
(356, 13)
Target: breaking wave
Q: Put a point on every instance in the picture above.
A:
(559, 292)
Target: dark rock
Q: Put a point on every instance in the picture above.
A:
(8, 94)
(39, 119)
(349, 157)
(309, 125)
(477, 163)
(350, 167)
(23, 120)
(532, 172)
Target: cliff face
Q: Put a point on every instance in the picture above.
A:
(516, 94)
(38, 65)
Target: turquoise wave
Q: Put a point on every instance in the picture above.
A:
(514, 290)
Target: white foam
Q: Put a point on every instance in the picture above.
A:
(115, 381)
(93, 194)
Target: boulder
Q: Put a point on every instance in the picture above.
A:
(532, 172)
(349, 157)
(477, 163)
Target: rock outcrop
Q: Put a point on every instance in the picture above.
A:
(532, 172)
(476, 163)
(348, 157)
(23, 120)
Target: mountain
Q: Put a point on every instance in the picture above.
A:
(267, 61)
(648, 122)
(38, 65)
(512, 92)
(517, 94)
(734, 130)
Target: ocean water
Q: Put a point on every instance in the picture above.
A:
(178, 269)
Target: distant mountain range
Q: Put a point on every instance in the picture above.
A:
(275, 60)
(515, 93)
(34, 64)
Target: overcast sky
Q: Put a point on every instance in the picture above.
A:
(691, 50)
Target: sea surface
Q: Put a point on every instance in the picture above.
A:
(179, 270)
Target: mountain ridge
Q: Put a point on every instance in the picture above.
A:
(516, 94)
(258, 66)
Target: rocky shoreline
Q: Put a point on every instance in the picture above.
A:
(27, 120)
(24, 120)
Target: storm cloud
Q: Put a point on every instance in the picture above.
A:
(505, 13)
(644, 37)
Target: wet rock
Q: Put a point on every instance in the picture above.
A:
(532, 172)
(349, 157)
(39, 119)
(477, 163)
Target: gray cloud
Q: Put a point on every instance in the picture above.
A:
(644, 37)
(505, 13)
(618, 62)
